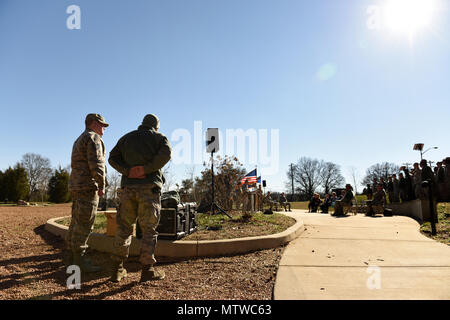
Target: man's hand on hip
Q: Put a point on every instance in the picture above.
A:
(137, 172)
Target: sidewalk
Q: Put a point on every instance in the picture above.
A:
(359, 257)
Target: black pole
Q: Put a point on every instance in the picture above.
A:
(212, 183)
(292, 181)
(432, 213)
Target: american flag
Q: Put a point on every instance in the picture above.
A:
(249, 177)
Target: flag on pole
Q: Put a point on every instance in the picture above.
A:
(258, 180)
(249, 178)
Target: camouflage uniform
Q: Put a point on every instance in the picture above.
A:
(88, 175)
(344, 202)
(140, 199)
(417, 183)
(378, 202)
(139, 203)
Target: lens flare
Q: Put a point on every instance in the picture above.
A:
(409, 16)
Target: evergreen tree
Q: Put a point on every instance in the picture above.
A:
(2, 189)
(14, 184)
(58, 186)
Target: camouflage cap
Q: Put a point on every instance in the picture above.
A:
(151, 121)
(95, 116)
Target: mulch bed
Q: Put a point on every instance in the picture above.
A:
(31, 268)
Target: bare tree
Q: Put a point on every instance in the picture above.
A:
(170, 179)
(308, 175)
(39, 171)
(380, 170)
(331, 176)
(355, 177)
(113, 184)
(290, 182)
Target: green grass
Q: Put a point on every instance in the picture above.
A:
(99, 223)
(442, 228)
(204, 221)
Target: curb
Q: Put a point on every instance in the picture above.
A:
(191, 249)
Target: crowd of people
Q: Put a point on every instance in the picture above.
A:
(331, 200)
(409, 184)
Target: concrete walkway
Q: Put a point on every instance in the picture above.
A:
(359, 257)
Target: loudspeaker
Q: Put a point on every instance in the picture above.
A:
(264, 183)
(212, 140)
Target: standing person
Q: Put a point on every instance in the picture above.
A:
(403, 187)
(374, 184)
(416, 178)
(259, 198)
(427, 175)
(369, 192)
(409, 184)
(396, 193)
(383, 183)
(447, 179)
(139, 156)
(440, 181)
(390, 189)
(87, 183)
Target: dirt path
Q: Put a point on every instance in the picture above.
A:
(31, 268)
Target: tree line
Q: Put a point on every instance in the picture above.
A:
(33, 179)
(310, 175)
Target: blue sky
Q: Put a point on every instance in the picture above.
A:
(334, 88)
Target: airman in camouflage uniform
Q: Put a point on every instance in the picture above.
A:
(87, 183)
(376, 206)
(346, 201)
(139, 156)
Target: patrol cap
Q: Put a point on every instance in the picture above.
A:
(151, 121)
(95, 116)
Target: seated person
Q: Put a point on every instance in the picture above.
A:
(268, 200)
(283, 202)
(346, 201)
(314, 203)
(326, 204)
(376, 206)
(333, 199)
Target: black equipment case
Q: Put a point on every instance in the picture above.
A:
(177, 223)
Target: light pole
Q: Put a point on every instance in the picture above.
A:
(419, 147)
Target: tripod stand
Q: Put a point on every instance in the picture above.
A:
(214, 205)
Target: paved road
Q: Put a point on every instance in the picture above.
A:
(359, 257)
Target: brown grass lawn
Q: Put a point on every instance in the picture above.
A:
(31, 268)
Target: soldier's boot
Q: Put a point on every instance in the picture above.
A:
(118, 272)
(84, 264)
(149, 273)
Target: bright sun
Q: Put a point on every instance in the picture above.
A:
(409, 16)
